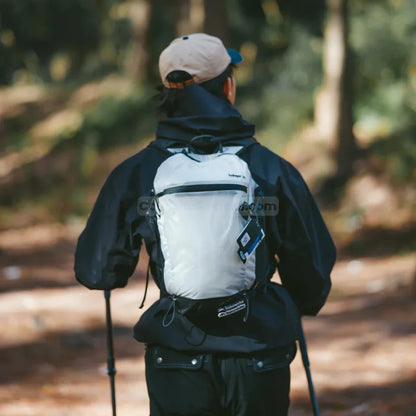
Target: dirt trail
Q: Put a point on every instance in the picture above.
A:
(53, 348)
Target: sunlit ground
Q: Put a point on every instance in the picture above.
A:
(53, 344)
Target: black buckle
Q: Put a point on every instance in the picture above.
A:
(205, 144)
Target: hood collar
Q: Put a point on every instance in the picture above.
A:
(199, 113)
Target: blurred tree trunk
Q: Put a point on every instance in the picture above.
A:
(334, 104)
(167, 20)
(188, 16)
(414, 283)
(182, 18)
(138, 59)
(216, 19)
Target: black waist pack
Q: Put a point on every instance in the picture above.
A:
(204, 311)
(270, 319)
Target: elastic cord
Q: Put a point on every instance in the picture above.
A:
(146, 286)
(172, 308)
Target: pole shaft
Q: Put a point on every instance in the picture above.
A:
(305, 360)
(111, 369)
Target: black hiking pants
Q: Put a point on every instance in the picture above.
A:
(182, 384)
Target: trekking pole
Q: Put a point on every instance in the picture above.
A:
(306, 364)
(111, 369)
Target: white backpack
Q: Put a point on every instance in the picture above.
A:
(207, 245)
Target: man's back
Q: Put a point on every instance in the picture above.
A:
(220, 324)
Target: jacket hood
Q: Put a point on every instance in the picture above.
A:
(202, 113)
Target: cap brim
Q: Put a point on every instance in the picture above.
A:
(235, 56)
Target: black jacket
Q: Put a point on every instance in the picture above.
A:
(108, 248)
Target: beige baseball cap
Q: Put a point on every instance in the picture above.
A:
(202, 56)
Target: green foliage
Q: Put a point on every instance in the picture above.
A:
(277, 95)
(284, 102)
(310, 13)
(383, 35)
(116, 121)
(37, 29)
(397, 154)
(51, 41)
(59, 180)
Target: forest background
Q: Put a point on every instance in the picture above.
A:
(330, 85)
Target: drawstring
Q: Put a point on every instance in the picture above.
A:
(147, 285)
(172, 308)
(186, 153)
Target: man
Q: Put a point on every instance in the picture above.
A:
(218, 213)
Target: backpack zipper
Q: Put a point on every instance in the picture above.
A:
(203, 188)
